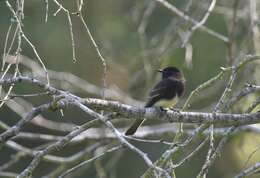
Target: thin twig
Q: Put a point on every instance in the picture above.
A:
(90, 160)
(249, 171)
(189, 19)
(102, 59)
(57, 145)
(27, 40)
(200, 23)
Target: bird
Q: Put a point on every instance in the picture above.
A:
(165, 94)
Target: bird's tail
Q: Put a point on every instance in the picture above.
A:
(134, 127)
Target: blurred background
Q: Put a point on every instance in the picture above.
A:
(135, 38)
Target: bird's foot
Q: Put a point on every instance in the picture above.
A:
(163, 109)
(175, 109)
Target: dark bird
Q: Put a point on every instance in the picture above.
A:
(165, 93)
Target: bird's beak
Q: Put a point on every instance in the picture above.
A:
(159, 70)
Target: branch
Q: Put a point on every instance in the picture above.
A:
(181, 14)
(244, 92)
(248, 171)
(133, 112)
(55, 146)
(120, 138)
(90, 160)
(121, 110)
(29, 116)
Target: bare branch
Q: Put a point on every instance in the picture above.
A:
(189, 19)
(90, 160)
(249, 171)
(17, 127)
(55, 146)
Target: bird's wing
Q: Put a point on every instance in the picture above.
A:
(165, 89)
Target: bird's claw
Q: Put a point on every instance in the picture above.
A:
(175, 109)
(163, 109)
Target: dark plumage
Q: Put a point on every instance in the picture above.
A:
(166, 89)
(164, 94)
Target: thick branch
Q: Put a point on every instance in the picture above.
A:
(148, 113)
(132, 112)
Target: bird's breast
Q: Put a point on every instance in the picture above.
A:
(167, 103)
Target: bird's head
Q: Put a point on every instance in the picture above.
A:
(173, 72)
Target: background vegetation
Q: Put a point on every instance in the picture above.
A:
(135, 38)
